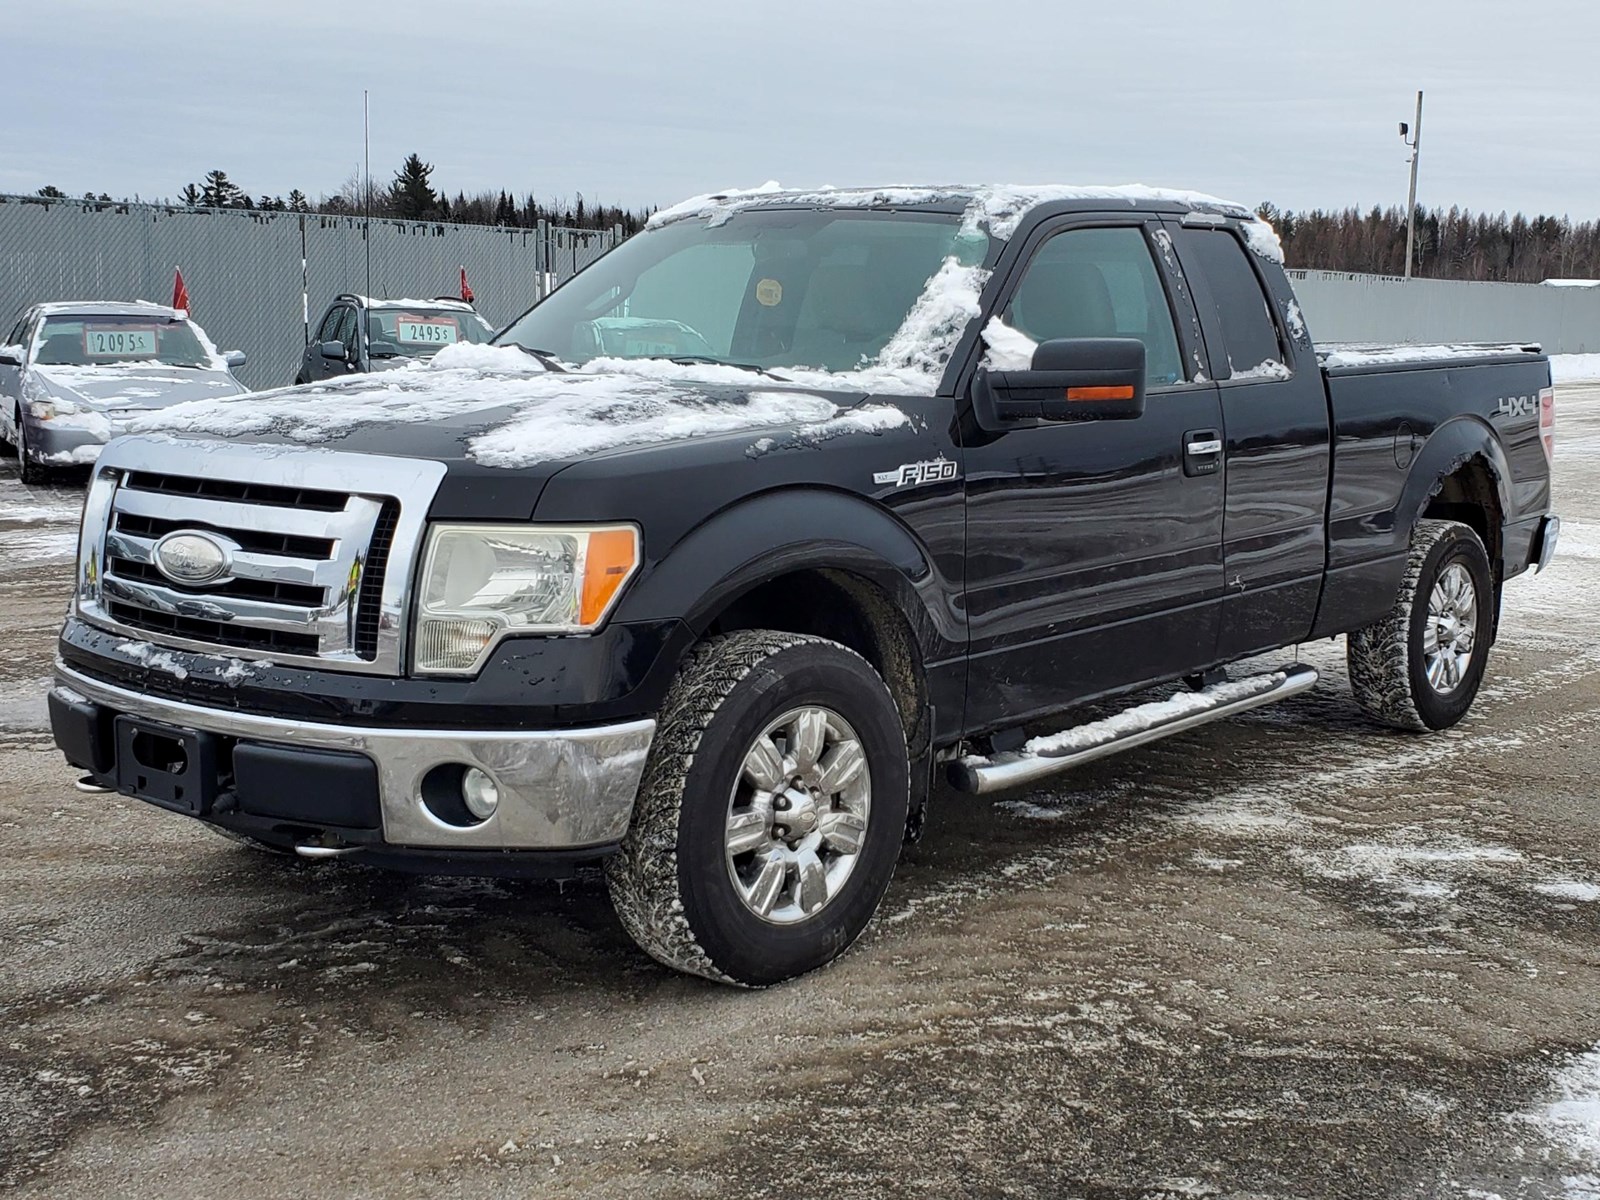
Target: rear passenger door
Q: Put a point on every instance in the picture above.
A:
(1094, 548)
(1276, 439)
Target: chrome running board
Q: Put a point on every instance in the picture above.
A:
(1137, 726)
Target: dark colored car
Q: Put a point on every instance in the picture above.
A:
(358, 334)
(772, 513)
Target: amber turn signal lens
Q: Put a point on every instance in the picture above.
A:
(607, 564)
(1124, 392)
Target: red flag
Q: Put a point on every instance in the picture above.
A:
(466, 292)
(180, 293)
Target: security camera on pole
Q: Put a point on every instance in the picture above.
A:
(1415, 142)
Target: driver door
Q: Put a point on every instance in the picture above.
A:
(1094, 548)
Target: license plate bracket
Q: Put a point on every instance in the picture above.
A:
(166, 765)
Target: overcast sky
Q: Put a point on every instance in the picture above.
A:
(644, 102)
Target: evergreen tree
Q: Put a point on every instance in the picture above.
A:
(51, 192)
(298, 202)
(191, 195)
(505, 212)
(412, 197)
(219, 191)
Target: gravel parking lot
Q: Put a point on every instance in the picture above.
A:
(1286, 955)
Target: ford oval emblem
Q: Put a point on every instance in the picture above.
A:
(194, 558)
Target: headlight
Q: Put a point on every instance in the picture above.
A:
(480, 582)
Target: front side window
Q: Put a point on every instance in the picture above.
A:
(418, 331)
(771, 289)
(347, 330)
(1099, 283)
(328, 331)
(1251, 344)
(79, 341)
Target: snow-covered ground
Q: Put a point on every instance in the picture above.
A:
(1575, 368)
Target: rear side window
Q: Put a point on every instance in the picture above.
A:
(1099, 283)
(1251, 347)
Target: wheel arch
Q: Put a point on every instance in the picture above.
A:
(1461, 474)
(809, 560)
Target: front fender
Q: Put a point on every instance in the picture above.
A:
(797, 529)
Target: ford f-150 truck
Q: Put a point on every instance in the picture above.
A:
(777, 513)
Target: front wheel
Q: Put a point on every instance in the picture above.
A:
(28, 471)
(1420, 666)
(771, 812)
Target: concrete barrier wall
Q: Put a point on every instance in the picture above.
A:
(1341, 307)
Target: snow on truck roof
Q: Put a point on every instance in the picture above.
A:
(999, 208)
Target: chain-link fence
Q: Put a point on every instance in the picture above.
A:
(255, 278)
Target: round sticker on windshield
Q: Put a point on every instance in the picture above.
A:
(769, 293)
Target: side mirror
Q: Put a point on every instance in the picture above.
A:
(10, 356)
(331, 350)
(234, 358)
(1071, 379)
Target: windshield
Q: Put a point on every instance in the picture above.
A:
(770, 289)
(112, 340)
(417, 330)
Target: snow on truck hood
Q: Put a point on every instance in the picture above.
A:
(531, 415)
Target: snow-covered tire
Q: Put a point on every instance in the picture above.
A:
(676, 884)
(1390, 659)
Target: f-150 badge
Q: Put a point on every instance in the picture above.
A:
(908, 474)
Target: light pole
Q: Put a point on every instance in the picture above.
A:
(1415, 142)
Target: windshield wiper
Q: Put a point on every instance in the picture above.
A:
(547, 357)
(690, 360)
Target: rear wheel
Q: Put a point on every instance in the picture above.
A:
(771, 812)
(1420, 667)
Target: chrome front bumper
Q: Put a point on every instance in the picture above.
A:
(559, 789)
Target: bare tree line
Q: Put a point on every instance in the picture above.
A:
(1451, 244)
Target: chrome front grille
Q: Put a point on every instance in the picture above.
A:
(321, 548)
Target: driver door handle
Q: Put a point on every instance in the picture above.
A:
(1202, 452)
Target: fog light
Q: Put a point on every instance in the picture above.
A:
(479, 793)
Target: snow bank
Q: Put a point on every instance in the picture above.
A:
(1575, 368)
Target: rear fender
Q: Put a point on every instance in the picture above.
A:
(1358, 594)
(1453, 445)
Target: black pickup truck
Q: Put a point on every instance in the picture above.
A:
(788, 506)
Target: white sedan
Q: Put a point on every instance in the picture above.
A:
(73, 375)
